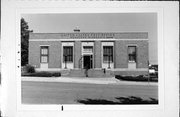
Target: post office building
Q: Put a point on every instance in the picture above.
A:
(124, 53)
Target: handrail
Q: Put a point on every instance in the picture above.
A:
(80, 62)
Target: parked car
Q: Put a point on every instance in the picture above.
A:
(153, 71)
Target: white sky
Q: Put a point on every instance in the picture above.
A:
(98, 22)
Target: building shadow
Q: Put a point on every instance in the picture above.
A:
(120, 100)
(136, 100)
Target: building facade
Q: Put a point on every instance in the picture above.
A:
(124, 53)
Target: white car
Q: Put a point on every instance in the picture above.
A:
(152, 71)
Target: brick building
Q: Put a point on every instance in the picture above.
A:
(124, 53)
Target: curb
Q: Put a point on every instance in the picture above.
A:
(84, 80)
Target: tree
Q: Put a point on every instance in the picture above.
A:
(24, 41)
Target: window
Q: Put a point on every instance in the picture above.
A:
(44, 54)
(88, 49)
(132, 53)
(68, 53)
(107, 53)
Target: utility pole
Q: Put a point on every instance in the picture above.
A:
(65, 61)
(109, 61)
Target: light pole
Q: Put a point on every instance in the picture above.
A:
(148, 73)
(109, 61)
(65, 61)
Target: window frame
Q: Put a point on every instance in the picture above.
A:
(45, 55)
(112, 54)
(68, 55)
(133, 55)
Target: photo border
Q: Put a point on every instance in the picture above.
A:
(71, 7)
(95, 10)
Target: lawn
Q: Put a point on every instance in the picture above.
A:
(79, 93)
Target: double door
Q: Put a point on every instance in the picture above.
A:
(87, 61)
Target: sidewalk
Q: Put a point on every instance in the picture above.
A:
(111, 80)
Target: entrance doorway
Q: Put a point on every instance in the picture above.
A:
(87, 61)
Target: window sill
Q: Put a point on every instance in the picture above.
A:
(131, 61)
(108, 62)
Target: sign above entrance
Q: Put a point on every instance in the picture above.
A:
(88, 49)
(90, 35)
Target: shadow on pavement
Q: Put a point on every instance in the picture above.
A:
(121, 100)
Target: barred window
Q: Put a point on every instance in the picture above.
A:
(107, 53)
(132, 53)
(68, 53)
(44, 54)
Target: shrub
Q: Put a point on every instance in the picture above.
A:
(56, 74)
(136, 78)
(43, 74)
(29, 69)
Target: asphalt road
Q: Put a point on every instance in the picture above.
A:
(70, 93)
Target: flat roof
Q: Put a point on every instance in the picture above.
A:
(90, 35)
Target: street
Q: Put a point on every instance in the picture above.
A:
(83, 93)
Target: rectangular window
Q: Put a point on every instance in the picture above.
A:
(132, 53)
(44, 54)
(68, 53)
(107, 53)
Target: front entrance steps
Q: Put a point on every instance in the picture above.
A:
(65, 72)
(101, 73)
(92, 73)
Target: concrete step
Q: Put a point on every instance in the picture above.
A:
(100, 73)
(92, 73)
(77, 73)
(65, 72)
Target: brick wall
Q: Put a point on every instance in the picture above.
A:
(77, 53)
(54, 53)
(142, 54)
(121, 53)
(97, 54)
(34, 53)
(129, 73)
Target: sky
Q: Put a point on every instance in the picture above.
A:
(98, 22)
